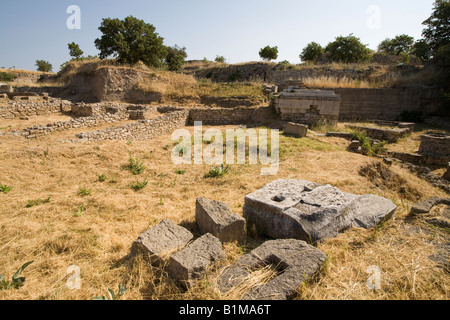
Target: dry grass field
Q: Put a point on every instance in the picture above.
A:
(92, 224)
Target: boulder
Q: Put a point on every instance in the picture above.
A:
(427, 205)
(217, 218)
(158, 242)
(294, 261)
(195, 260)
(304, 210)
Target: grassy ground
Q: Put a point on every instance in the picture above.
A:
(92, 224)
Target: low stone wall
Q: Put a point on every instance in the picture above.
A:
(83, 122)
(422, 160)
(236, 116)
(434, 144)
(384, 104)
(142, 130)
(383, 134)
(17, 108)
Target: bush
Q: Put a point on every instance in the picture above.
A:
(43, 66)
(39, 201)
(348, 50)
(411, 116)
(269, 53)
(5, 189)
(138, 185)
(220, 59)
(136, 166)
(312, 52)
(7, 77)
(217, 172)
(366, 143)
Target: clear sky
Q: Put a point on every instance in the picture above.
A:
(236, 29)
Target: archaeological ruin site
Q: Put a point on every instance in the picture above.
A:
(140, 174)
(255, 238)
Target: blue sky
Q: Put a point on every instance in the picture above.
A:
(236, 29)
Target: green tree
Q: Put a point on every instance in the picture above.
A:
(75, 51)
(220, 59)
(398, 45)
(176, 57)
(437, 30)
(348, 49)
(131, 40)
(269, 53)
(312, 52)
(421, 50)
(43, 66)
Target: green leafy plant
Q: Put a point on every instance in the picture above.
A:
(102, 177)
(16, 281)
(136, 166)
(5, 189)
(7, 77)
(84, 192)
(39, 201)
(180, 171)
(80, 210)
(112, 295)
(216, 172)
(138, 185)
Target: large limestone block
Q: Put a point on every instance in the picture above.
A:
(295, 261)
(217, 218)
(308, 211)
(162, 240)
(191, 263)
(295, 129)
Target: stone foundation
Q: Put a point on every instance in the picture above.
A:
(435, 144)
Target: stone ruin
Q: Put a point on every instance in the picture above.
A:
(294, 213)
(309, 107)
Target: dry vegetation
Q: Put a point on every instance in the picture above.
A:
(94, 230)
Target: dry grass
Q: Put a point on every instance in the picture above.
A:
(335, 82)
(98, 240)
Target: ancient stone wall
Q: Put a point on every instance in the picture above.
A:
(435, 144)
(142, 130)
(235, 116)
(384, 104)
(18, 108)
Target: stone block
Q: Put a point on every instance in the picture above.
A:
(295, 129)
(158, 242)
(192, 263)
(217, 218)
(303, 210)
(294, 261)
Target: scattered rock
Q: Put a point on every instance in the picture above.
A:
(195, 260)
(294, 260)
(355, 146)
(306, 211)
(427, 205)
(217, 218)
(159, 241)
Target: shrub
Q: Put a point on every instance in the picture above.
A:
(5, 189)
(312, 52)
(43, 66)
(348, 49)
(112, 295)
(269, 53)
(16, 281)
(138, 185)
(220, 59)
(7, 77)
(216, 172)
(366, 143)
(84, 192)
(136, 166)
(39, 201)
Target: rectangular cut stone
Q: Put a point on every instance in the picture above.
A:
(217, 218)
(295, 129)
(161, 240)
(191, 263)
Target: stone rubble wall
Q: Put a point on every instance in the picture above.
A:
(235, 116)
(17, 108)
(141, 130)
(83, 122)
(435, 145)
